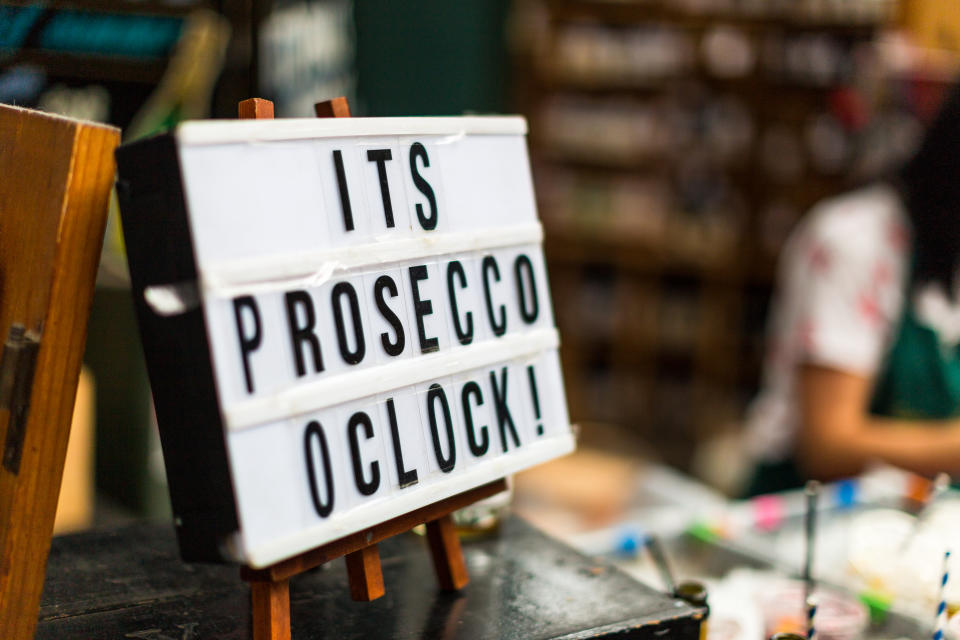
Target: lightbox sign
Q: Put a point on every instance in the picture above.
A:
(364, 300)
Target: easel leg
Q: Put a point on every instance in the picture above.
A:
(365, 574)
(271, 609)
(447, 555)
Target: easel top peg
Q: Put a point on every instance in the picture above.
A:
(333, 108)
(261, 109)
(255, 109)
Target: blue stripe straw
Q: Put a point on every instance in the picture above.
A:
(811, 613)
(942, 606)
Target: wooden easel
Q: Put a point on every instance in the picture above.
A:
(270, 587)
(57, 174)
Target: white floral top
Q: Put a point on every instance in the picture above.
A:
(840, 295)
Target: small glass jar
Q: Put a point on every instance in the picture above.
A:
(695, 593)
(483, 518)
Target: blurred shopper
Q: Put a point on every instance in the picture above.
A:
(863, 358)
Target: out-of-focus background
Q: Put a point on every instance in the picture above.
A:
(675, 144)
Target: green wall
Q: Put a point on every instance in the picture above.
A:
(431, 57)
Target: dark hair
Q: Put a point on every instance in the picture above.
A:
(930, 183)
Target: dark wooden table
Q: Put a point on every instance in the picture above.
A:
(130, 583)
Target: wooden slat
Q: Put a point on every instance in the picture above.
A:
(447, 555)
(364, 574)
(271, 609)
(377, 533)
(57, 174)
(269, 596)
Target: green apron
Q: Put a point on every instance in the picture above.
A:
(919, 380)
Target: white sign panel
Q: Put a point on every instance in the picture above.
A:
(378, 316)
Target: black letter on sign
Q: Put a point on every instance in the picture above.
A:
(504, 419)
(476, 448)
(342, 188)
(357, 420)
(380, 156)
(490, 265)
(531, 376)
(346, 289)
(248, 344)
(436, 393)
(298, 334)
(521, 264)
(422, 308)
(386, 283)
(465, 336)
(315, 430)
(427, 222)
(407, 477)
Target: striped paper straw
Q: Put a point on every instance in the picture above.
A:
(811, 492)
(811, 613)
(942, 606)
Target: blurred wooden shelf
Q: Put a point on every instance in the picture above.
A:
(146, 71)
(697, 355)
(638, 255)
(629, 13)
(621, 12)
(591, 159)
(138, 7)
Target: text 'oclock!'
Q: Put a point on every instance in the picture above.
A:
(344, 320)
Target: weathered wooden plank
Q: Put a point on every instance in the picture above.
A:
(55, 180)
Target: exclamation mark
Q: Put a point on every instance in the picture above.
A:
(536, 398)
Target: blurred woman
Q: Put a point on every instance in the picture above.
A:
(863, 358)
